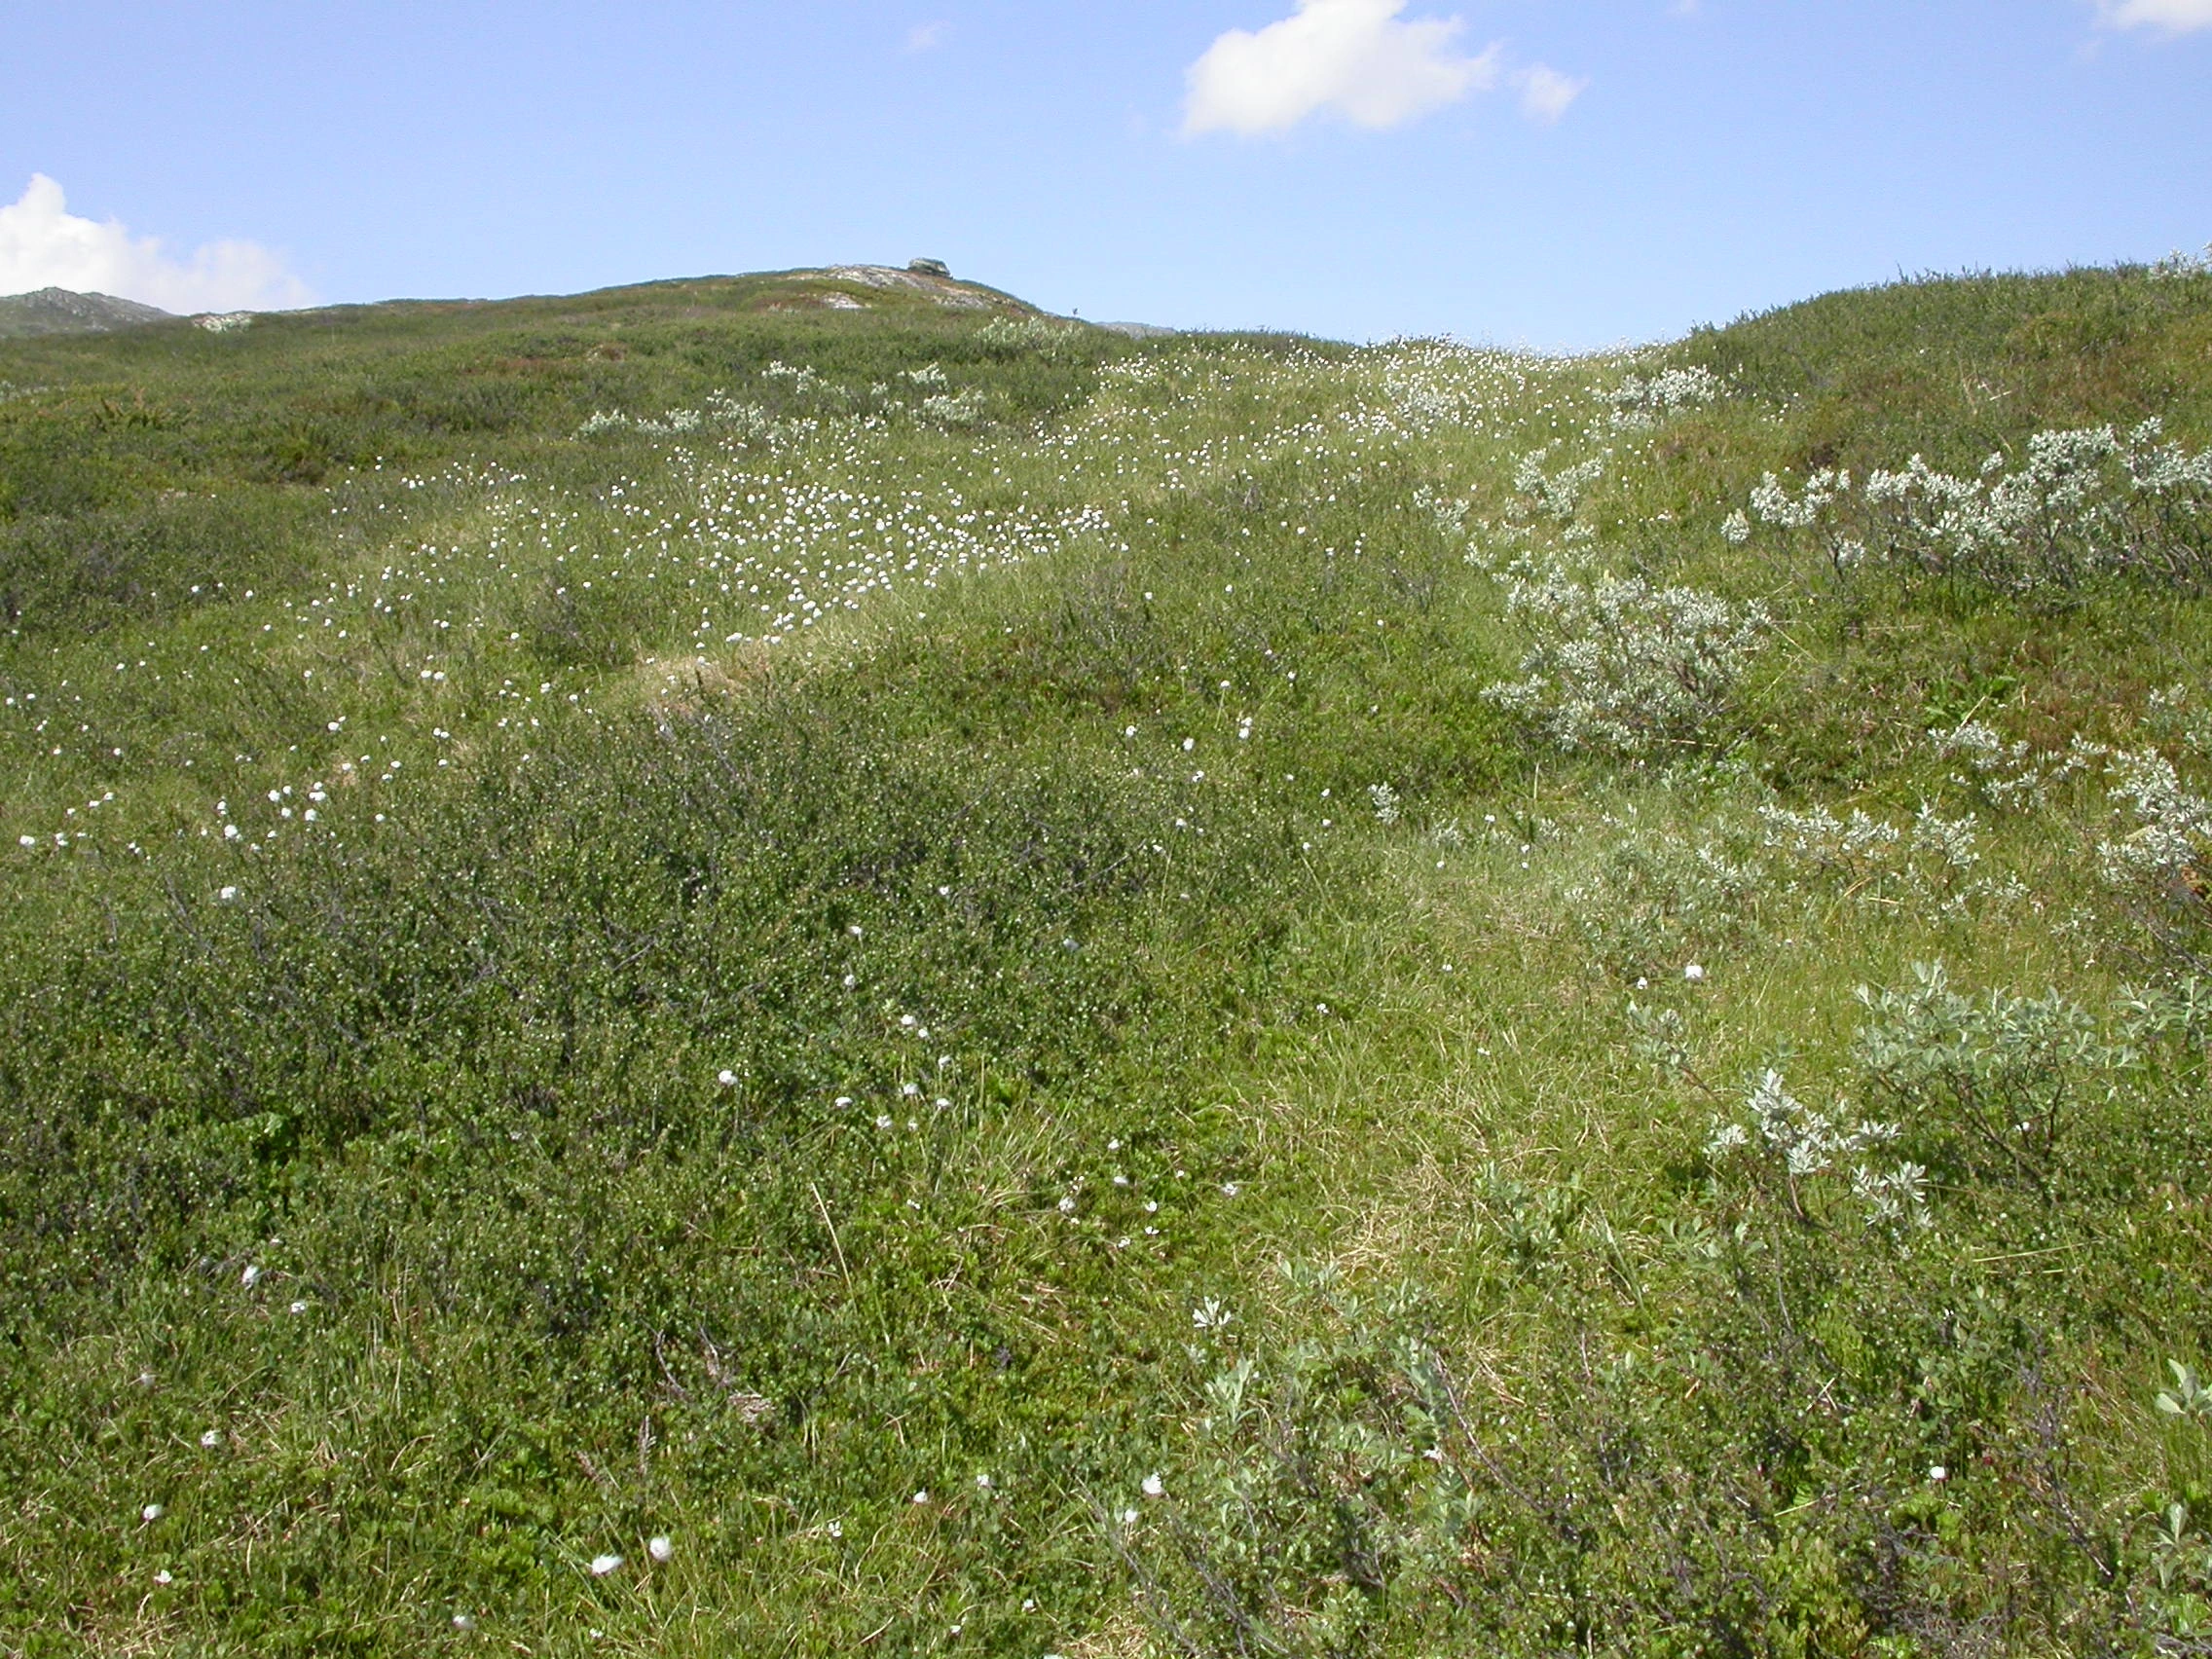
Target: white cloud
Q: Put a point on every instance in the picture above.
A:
(1546, 93)
(1353, 58)
(926, 37)
(44, 245)
(2176, 17)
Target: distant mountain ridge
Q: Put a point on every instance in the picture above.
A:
(835, 287)
(58, 311)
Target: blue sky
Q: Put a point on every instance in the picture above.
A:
(1527, 172)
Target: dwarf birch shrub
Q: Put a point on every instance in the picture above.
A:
(1625, 667)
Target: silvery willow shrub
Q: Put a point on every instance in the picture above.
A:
(1997, 1088)
(1449, 511)
(1640, 404)
(2181, 1550)
(1930, 862)
(2011, 777)
(1790, 1143)
(2174, 715)
(1301, 1517)
(2180, 267)
(963, 408)
(1622, 666)
(1560, 493)
(2167, 855)
(2159, 868)
(721, 412)
(2089, 503)
(1808, 511)
(2180, 1011)
(1856, 847)
(1346, 1479)
(1655, 903)
(1013, 337)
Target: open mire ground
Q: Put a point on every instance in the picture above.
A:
(695, 971)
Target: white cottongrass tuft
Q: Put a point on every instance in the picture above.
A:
(661, 1547)
(602, 1564)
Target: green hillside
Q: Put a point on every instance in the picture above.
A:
(710, 969)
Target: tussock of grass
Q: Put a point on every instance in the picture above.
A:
(1067, 1076)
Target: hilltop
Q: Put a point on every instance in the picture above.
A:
(701, 969)
(842, 287)
(57, 311)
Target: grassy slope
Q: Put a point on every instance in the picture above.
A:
(1033, 883)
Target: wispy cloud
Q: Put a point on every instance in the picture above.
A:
(926, 37)
(1349, 58)
(2174, 17)
(1546, 93)
(45, 245)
